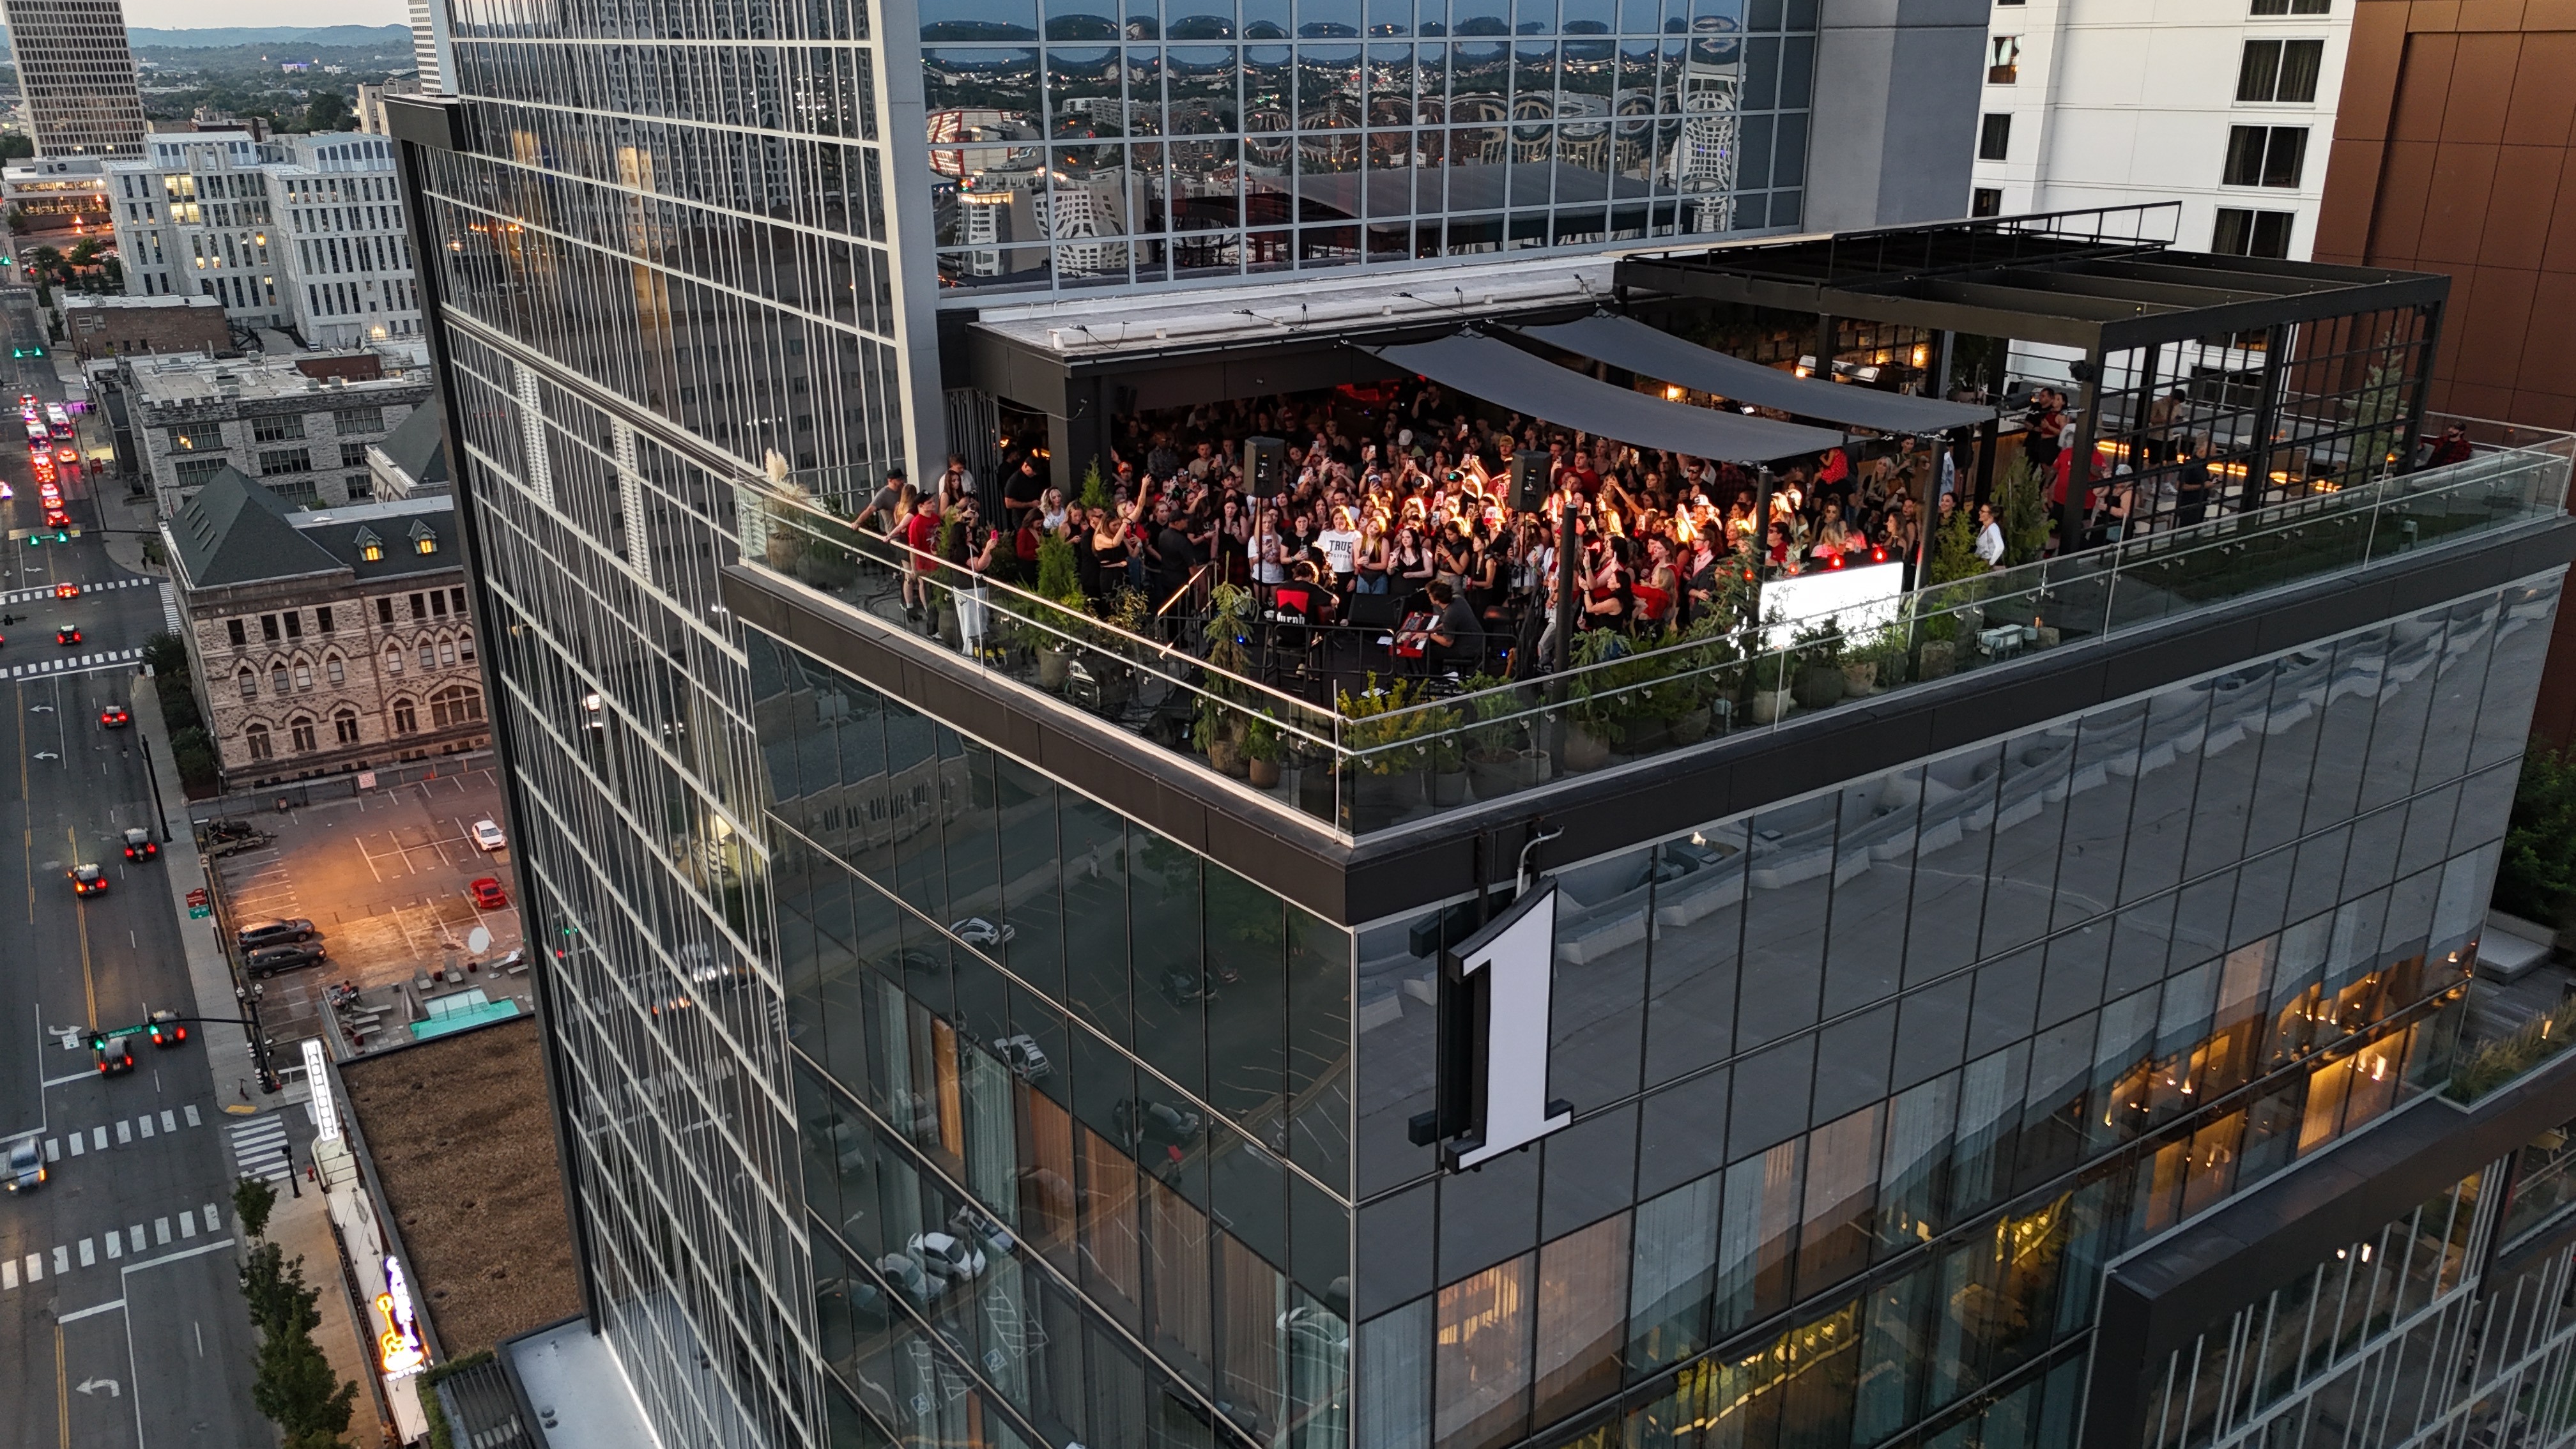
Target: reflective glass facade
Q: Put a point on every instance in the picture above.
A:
(1870, 1085)
(1113, 1070)
(1118, 142)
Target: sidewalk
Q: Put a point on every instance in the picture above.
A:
(117, 511)
(301, 1227)
(210, 975)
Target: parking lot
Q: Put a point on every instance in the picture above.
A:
(383, 876)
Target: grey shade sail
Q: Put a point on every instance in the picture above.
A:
(1502, 374)
(1629, 343)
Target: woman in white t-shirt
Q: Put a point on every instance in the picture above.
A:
(1341, 546)
(1990, 536)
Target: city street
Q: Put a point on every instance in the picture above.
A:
(120, 1322)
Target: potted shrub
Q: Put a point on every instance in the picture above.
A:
(1219, 729)
(1500, 759)
(1261, 752)
(1389, 752)
(1059, 582)
(1712, 672)
(1819, 682)
(1596, 717)
(1885, 653)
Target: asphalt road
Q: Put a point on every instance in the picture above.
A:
(120, 1323)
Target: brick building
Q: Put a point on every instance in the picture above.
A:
(325, 641)
(305, 436)
(116, 326)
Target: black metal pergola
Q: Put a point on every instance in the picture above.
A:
(2295, 376)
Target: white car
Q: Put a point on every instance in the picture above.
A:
(949, 1258)
(976, 931)
(488, 835)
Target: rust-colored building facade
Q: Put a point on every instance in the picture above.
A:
(2455, 151)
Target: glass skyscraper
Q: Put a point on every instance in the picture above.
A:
(942, 1064)
(78, 76)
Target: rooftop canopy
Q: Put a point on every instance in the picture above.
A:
(1499, 373)
(1628, 343)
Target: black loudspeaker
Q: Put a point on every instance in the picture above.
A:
(1265, 466)
(1529, 482)
(1374, 611)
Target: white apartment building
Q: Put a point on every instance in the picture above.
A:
(303, 233)
(2226, 106)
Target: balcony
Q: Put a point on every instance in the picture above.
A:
(1395, 753)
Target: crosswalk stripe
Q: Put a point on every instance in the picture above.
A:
(134, 1235)
(188, 1222)
(171, 1124)
(53, 1149)
(98, 1138)
(89, 1254)
(161, 1232)
(78, 1145)
(9, 1276)
(35, 1267)
(214, 1223)
(124, 1132)
(191, 1110)
(62, 1260)
(143, 1124)
(115, 1243)
(170, 608)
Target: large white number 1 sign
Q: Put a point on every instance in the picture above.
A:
(1515, 953)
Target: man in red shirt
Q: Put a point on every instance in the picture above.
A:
(921, 557)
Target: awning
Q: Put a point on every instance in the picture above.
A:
(1502, 374)
(1629, 343)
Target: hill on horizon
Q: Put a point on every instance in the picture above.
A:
(226, 37)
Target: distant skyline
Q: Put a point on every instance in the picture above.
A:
(199, 14)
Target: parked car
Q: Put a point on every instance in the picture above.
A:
(1024, 1057)
(976, 931)
(487, 893)
(905, 1273)
(273, 932)
(272, 959)
(949, 1258)
(487, 835)
(25, 1165)
(226, 829)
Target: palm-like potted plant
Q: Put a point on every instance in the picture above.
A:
(1391, 746)
(1262, 749)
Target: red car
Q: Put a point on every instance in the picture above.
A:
(115, 717)
(488, 894)
(66, 591)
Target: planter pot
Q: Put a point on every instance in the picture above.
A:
(947, 627)
(1585, 750)
(1940, 658)
(1769, 705)
(1496, 773)
(1264, 774)
(1692, 727)
(1891, 671)
(1860, 677)
(1051, 667)
(1819, 685)
(2048, 637)
(1448, 788)
(1379, 800)
(1225, 756)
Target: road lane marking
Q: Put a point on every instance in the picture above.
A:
(89, 980)
(92, 1311)
(78, 1145)
(161, 1231)
(65, 1080)
(135, 1233)
(98, 1138)
(170, 1123)
(142, 1123)
(115, 1243)
(199, 1251)
(89, 1253)
(62, 1260)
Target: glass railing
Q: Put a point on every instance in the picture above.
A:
(1393, 751)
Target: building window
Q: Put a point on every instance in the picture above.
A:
(268, 627)
(446, 653)
(322, 616)
(277, 429)
(353, 455)
(279, 461)
(2003, 60)
(303, 677)
(424, 542)
(456, 599)
(257, 738)
(234, 628)
(465, 647)
(1994, 136)
(362, 486)
(1986, 201)
(277, 679)
(460, 705)
(358, 420)
(406, 718)
(249, 683)
(428, 655)
(2280, 70)
(294, 624)
(344, 726)
(2293, 7)
(385, 605)
(2244, 233)
(438, 605)
(201, 435)
(300, 730)
(335, 671)
(393, 659)
(2265, 155)
(420, 606)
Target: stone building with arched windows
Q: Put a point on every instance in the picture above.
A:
(325, 641)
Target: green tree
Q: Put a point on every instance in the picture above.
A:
(85, 252)
(254, 1198)
(17, 146)
(18, 222)
(2537, 877)
(327, 111)
(294, 1385)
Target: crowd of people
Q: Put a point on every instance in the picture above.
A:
(1404, 490)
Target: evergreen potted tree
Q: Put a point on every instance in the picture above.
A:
(1061, 584)
(1596, 717)
(1819, 680)
(1499, 758)
(1261, 752)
